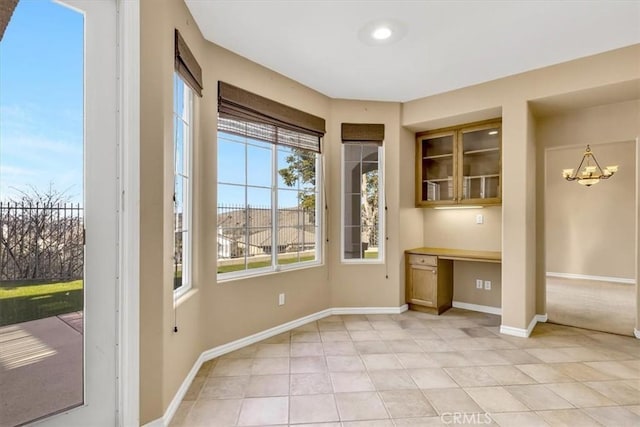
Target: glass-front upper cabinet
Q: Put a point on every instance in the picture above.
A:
(459, 165)
(438, 167)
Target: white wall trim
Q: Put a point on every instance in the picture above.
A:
(257, 337)
(252, 339)
(128, 391)
(542, 318)
(370, 310)
(588, 277)
(476, 307)
(636, 333)
(519, 332)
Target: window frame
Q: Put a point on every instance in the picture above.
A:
(381, 208)
(275, 268)
(187, 168)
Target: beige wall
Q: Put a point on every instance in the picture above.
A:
(563, 124)
(237, 308)
(465, 274)
(458, 229)
(216, 313)
(596, 80)
(365, 285)
(410, 218)
(590, 231)
(213, 313)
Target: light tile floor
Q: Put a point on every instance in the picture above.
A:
(416, 369)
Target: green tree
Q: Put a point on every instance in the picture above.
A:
(369, 207)
(301, 170)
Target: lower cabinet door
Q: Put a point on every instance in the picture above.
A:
(424, 283)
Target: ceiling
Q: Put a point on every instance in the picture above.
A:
(446, 44)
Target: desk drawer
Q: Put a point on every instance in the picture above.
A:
(423, 260)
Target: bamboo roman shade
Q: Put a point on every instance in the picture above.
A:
(186, 65)
(244, 113)
(363, 133)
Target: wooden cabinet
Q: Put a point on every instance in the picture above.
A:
(429, 282)
(459, 165)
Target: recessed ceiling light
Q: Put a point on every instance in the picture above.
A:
(381, 33)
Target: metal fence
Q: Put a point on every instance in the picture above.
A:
(41, 241)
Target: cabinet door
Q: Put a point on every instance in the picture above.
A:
(423, 286)
(481, 164)
(435, 169)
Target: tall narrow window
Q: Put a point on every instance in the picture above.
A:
(182, 142)
(268, 185)
(363, 195)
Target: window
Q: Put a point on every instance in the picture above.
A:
(187, 80)
(182, 143)
(362, 193)
(269, 197)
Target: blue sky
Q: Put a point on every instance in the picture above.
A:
(251, 164)
(41, 114)
(41, 100)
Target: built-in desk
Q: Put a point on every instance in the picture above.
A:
(429, 275)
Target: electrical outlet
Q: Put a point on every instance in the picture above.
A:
(281, 299)
(479, 219)
(478, 283)
(487, 285)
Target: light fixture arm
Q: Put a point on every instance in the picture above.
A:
(591, 174)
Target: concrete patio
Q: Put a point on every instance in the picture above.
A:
(40, 368)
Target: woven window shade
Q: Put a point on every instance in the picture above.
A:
(363, 133)
(186, 65)
(244, 113)
(241, 104)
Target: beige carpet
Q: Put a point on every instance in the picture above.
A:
(589, 304)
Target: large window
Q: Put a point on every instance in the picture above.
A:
(182, 143)
(269, 183)
(362, 193)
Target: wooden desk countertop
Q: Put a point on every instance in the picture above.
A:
(459, 254)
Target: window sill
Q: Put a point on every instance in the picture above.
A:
(248, 274)
(362, 261)
(183, 295)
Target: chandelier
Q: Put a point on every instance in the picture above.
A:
(591, 173)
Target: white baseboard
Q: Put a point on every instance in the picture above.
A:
(252, 339)
(519, 332)
(636, 333)
(477, 307)
(596, 278)
(542, 318)
(369, 310)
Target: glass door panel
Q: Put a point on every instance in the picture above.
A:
(57, 80)
(42, 213)
(481, 163)
(437, 168)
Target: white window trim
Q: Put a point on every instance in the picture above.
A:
(381, 212)
(275, 268)
(187, 281)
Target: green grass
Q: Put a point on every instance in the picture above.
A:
(14, 290)
(260, 264)
(23, 302)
